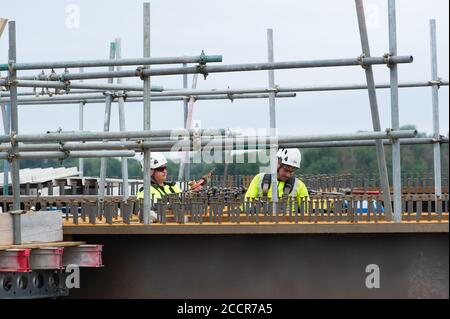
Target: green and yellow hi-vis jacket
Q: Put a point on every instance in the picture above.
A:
(158, 191)
(299, 190)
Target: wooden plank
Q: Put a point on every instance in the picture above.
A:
(43, 245)
(262, 228)
(243, 218)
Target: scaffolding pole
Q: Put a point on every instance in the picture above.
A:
(202, 94)
(137, 147)
(219, 142)
(81, 128)
(46, 94)
(6, 115)
(395, 114)
(63, 155)
(15, 163)
(230, 97)
(272, 124)
(207, 69)
(68, 86)
(118, 150)
(118, 62)
(381, 158)
(97, 136)
(121, 106)
(185, 156)
(405, 141)
(146, 113)
(106, 125)
(175, 134)
(93, 98)
(187, 169)
(435, 104)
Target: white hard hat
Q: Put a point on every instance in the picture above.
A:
(290, 156)
(156, 160)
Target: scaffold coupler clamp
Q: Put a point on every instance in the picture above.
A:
(388, 61)
(361, 61)
(17, 212)
(389, 132)
(63, 150)
(437, 82)
(273, 89)
(109, 93)
(140, 72)
(122, 94)
(9, 83)
(11, 66)
(201, 67)
(11, 154)
(140, 143)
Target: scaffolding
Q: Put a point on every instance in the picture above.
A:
(15, 146)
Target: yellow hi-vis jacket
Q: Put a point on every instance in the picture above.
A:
(299, 190)
(157, 191)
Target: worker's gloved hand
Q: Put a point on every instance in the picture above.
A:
(194, 186)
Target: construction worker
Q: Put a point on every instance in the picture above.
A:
(159, 186)
(289, 160)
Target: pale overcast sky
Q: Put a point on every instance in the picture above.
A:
(303, 30)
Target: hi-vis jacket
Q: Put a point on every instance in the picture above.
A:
(157, 191)
(255, 189)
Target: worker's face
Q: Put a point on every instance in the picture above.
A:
(285, 172)
(160, 174)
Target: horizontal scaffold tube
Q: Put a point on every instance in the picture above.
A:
(230, 97)
(117, 62)
(404, 141)
(64, 155)
(49, 94)
(197, 92)
(68, 86)
(100, 96)
(97, 136)
(216, 142)
(206, 69)
(129, 145)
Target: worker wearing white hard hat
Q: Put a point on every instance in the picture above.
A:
(288, 161)
(159, 185)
